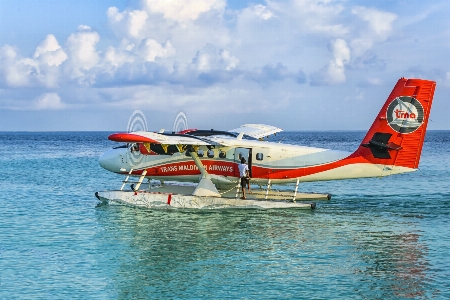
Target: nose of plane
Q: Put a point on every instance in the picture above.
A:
(111, 160)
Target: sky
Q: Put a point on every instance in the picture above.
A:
(296, 64)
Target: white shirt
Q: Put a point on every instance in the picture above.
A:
(243, 168)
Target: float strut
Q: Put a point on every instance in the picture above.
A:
(126, 179)
(268, 188)
(238, 188)
(140, 180)
(296, 188)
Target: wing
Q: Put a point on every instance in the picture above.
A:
(257, 130)
(157, 138)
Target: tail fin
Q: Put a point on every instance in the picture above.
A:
(397, 134)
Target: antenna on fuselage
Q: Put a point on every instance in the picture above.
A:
(281, 139)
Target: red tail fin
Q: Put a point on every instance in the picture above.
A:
(397, 134)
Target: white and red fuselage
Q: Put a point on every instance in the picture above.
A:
(392, 145)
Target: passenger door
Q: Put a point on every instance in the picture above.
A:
(242, 153)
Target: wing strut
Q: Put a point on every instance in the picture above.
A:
(205, 186)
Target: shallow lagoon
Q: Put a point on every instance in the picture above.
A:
(376, 238)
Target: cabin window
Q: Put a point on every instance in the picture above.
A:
(259, 156)
(200, 153)
(222, 154)
(210, 153)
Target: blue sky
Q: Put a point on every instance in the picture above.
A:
(298, 65)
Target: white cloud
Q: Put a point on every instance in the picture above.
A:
(334, 73)
(186, 10)
(380, 22)
(341, 57)
(127, 23)
(209, 59)
(380, 26)
(81, 46)
(48, 101)
(137, 22)
(447, 79)
(230, 61)
(45, 101)
(374, 81)
(262, 12)
(196, 51)
(116, 58)
(41, 70)
(314, 16)
(151, 49)
(50, 52)
(15, 70)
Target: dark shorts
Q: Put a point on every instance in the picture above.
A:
(244, 181)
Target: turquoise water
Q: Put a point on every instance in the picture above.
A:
(375, 239)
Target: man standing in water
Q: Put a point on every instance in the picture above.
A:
(245, 177)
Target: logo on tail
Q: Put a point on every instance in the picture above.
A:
(405, 114)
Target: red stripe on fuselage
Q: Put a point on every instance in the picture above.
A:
(286, 173)
(227, 168)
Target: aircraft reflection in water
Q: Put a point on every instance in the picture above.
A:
(178, 254)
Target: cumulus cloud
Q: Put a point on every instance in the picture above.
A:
(262, 12)
(313, 16)
(40, 70)
(83, 54)
(50, 52)
(151, 49)
(186, 10)
(48, 101)
(334, 73)
(188, 42)
(16, 71)
(268, 74)
(189, 48)
(380, 22)
(209, 59)
(45, 101)
(127, 23)
(379, 27)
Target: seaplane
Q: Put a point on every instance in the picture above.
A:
(209, 159)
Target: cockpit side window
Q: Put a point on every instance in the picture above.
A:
(134, 147)
(210, 153)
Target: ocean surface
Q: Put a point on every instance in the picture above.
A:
(379, 238)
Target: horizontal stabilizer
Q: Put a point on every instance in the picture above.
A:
(379, 145)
